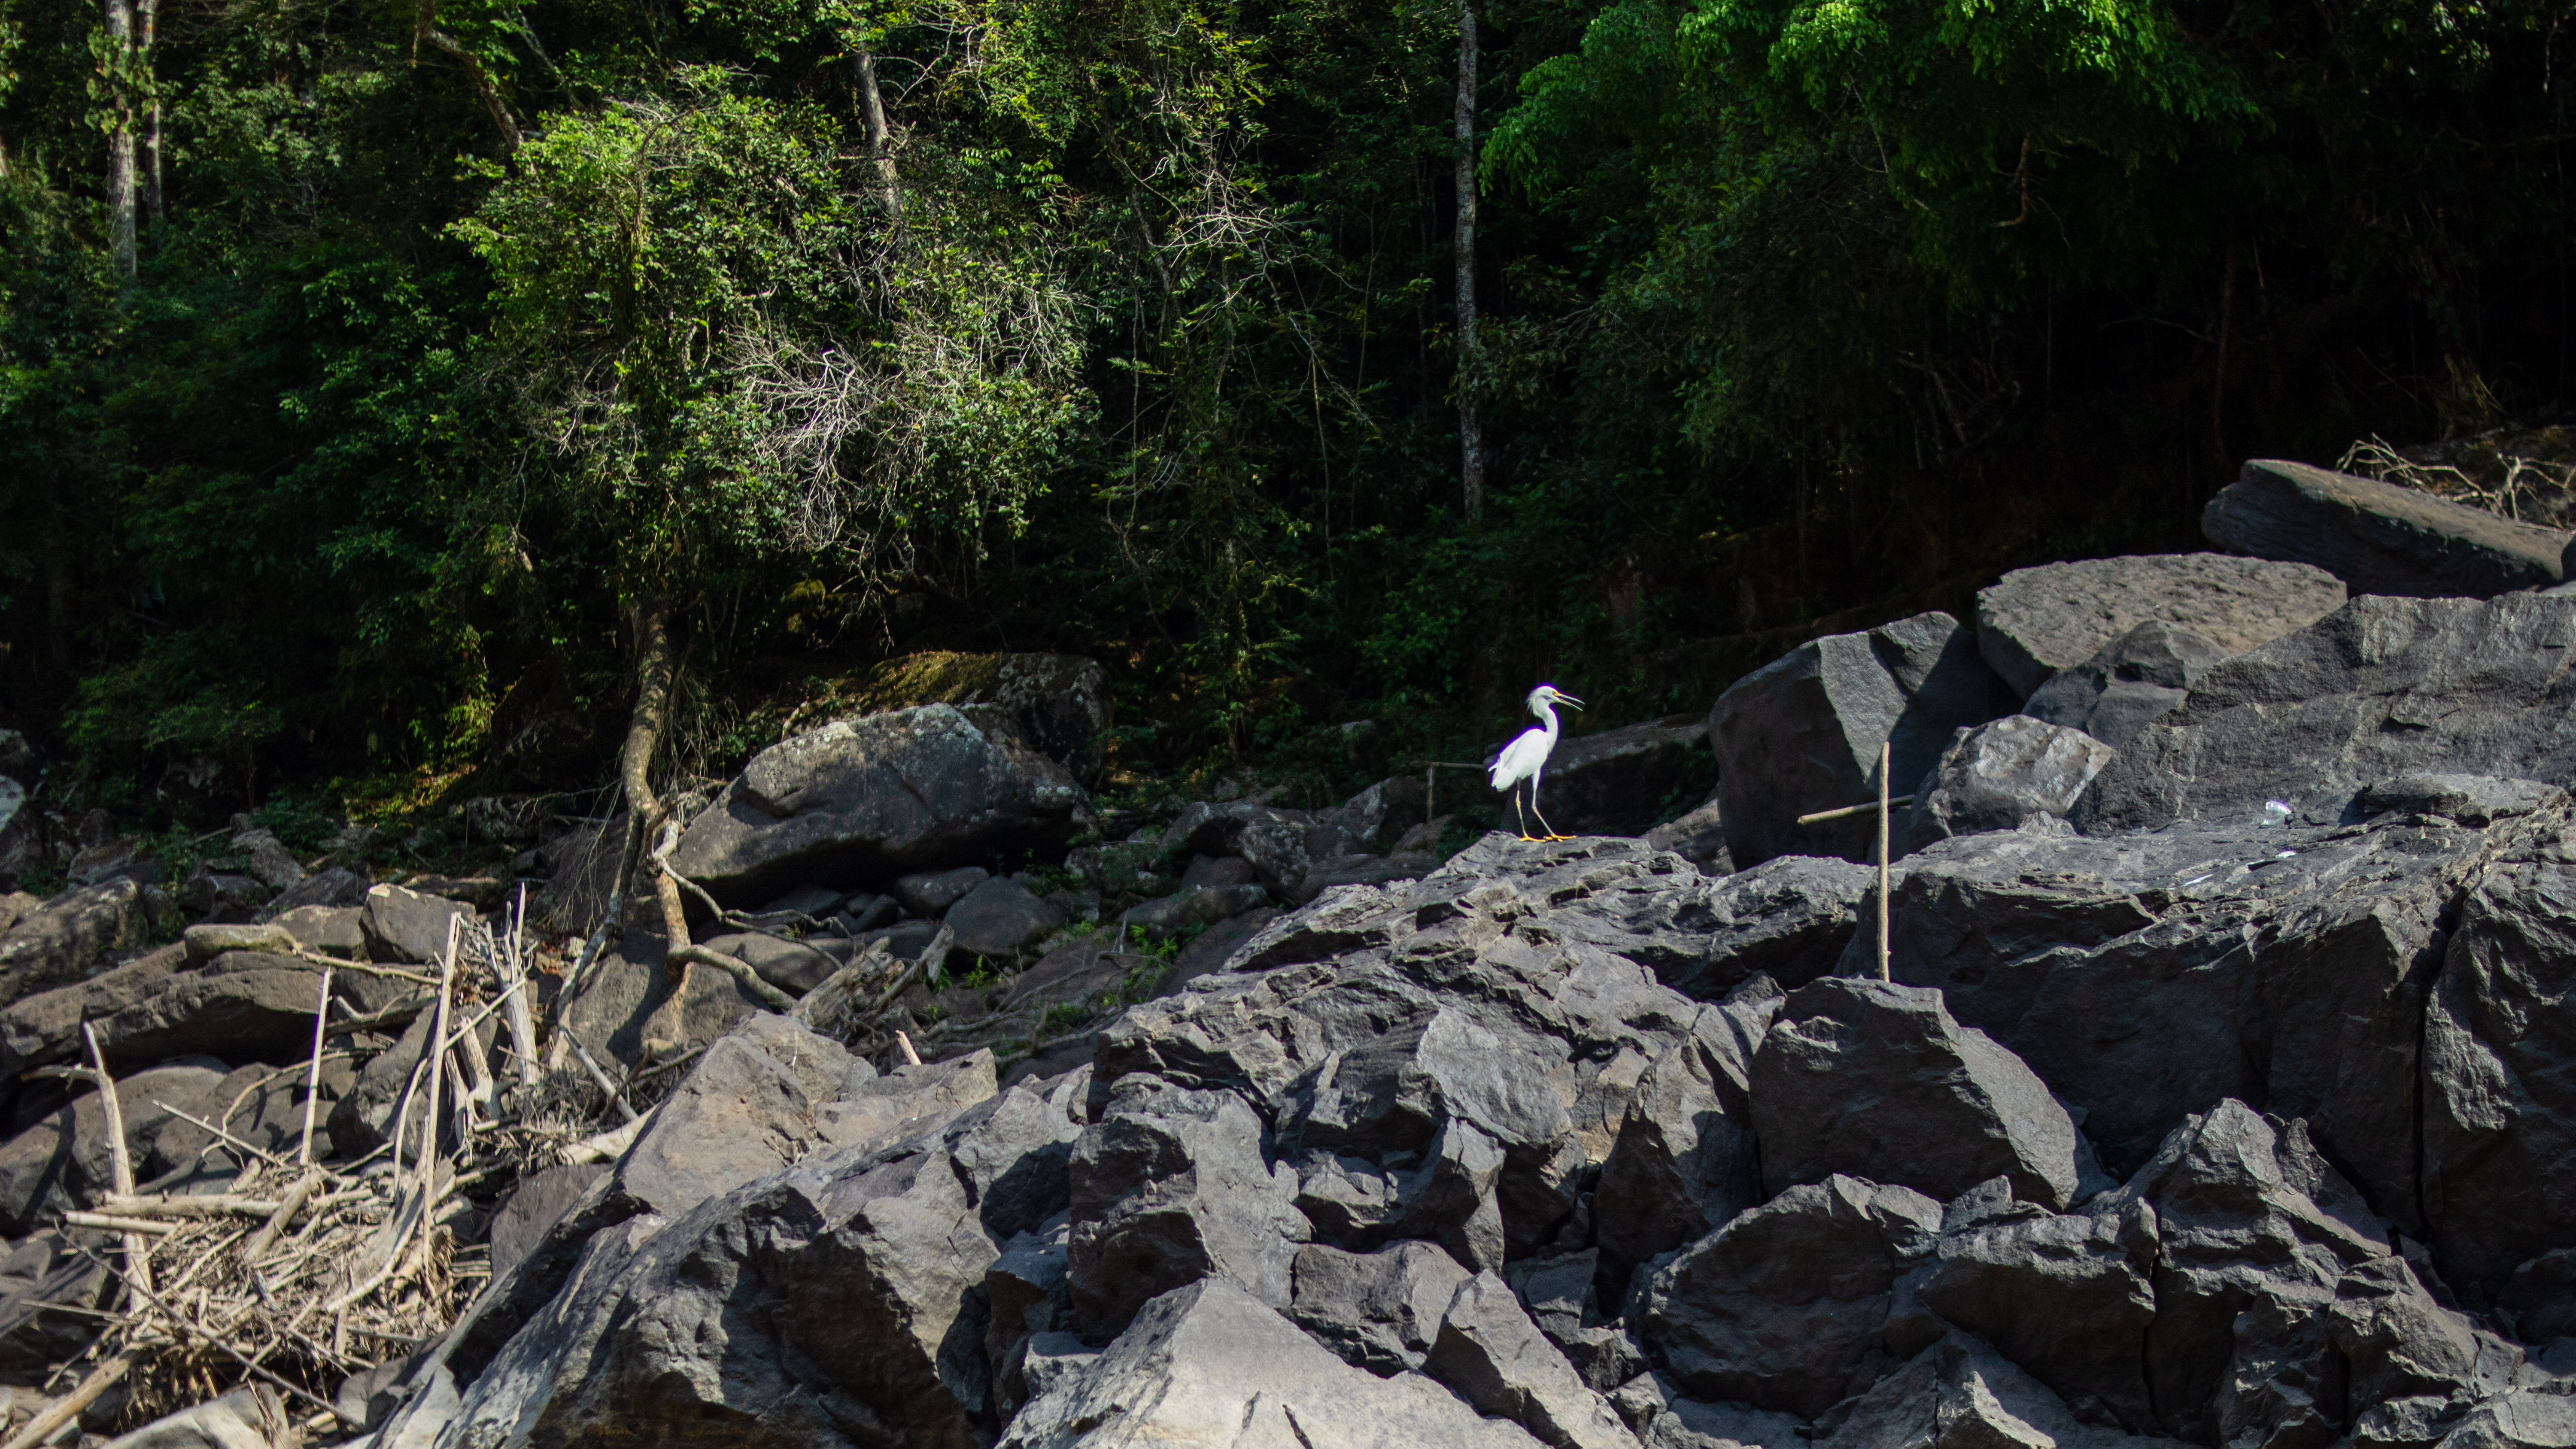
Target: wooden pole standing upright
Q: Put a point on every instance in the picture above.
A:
(1884, 752)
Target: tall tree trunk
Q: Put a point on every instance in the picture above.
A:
(120, 139)
(880, 137)
(1471, 441)
(665, 1032)
(147, 16)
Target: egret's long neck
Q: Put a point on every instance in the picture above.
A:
(1547, 712)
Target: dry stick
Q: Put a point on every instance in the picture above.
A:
(120, 1164)
(313, 1076)
(218, 1341)
(402, 1116)
(1885, 753)
(365, 968)
(514, 992)
(120, 1224)
(616, 1098)
(437, 1058)
(296, 1196)
(1848, 811)
(740, 970)
(212, 1205)
(67, 1408)
(909, 1055)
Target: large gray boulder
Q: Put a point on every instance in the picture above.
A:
(1212, 1364)
(2002, 775)
(1380, 1311)
(1686, 1160)
(2255, 1232)
(1802, 733)
(1060, 702)
(2144, 977)
(1787, 918)
(2380, 687)
(1000, 918)
(2138, 678)
(2379, 538)
(1170, 1186)
(1493, 1356)
(1785, 1307)
(2037, 622)
(244, 1006)
(1875, 1079)
(2499, 1086)
(2067, 1298)
(408, 925)
(867, 800)
(1617, 782)
(62, 1160)
(1961, 1394)
(55, 942)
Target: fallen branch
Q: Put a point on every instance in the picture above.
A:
(67, 1408)
(740, 970)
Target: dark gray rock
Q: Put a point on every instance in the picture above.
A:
(55, 942)
(363, 1117)
(2520, 1419)
(875, 798)
(1024, 1289)
(1218, 870)
(2474, 800)
(259, 1105)
(1492, 1356)
(2136, 679)
(46, 1279)
(245, 1006)
(2415, 1366)
(62, 1161)
(2499, 1118)
(1787, 918)
(2379, 688)
(796, 966)
(2144, 977)
(1875, 1079)
(1170, 1186)
(1664, 1419)
(1802, 733)
(2038, 622)
(1212, 1364)
(332, 930)
(1061, 702)
(44, 1028)
(406, 925)
(1341, 870)
(2001, 776)
(1697, 835)
(332, 888)
(2379, 538)
(1271, 841)
(1189, 908)
(1616, 782)
(928, 892)
(1783, 1307)
(1380, 1311)
(630, 983)
(2066, 1298)
(1448, 1195)
(2255, 1232)
(1001, 918)
(1211, 948)
(1961, 1394)
(534, 1207)
(1685, 1160)
(1378, 817)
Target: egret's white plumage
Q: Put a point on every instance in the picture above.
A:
(1525, 757)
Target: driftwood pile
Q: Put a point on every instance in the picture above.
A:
(305, 1272)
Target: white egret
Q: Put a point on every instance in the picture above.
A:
(1523, 758)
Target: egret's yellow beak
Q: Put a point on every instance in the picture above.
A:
(1569, 699)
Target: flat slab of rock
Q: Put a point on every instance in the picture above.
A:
(1211, 1364)
(1788, 918)
(2381, 687)
(1802, 733)
(999, 917)
(2379, 538)
(2034, 623)
(401, 924)
(62, 1161)
(875, 798)
(1615, 782)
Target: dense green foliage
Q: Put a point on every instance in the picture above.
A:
(460, 327)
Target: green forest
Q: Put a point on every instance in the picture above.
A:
(387, 388)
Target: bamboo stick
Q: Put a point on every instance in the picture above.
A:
(1886, 751)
